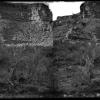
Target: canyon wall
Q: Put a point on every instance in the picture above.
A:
(26, 41)
(38, 54)
(76, 45)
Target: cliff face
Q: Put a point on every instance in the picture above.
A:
(75, 42)
(25, 12)
(40, 54)
(31, 21)
(25, 44)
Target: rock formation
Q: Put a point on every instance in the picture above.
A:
(75, 41)
(31, 22)
(38, 55)
(25, 43)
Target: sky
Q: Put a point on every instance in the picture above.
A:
(64, 8)
(61, 8)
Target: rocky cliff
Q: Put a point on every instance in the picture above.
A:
(40, 55)
(76, 39)
(32, 23)
(25, 45)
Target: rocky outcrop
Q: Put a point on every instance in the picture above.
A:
(37, 53)
(75, 40)
(93, 27)
(25, 44)
(31, 21)
(25, 12)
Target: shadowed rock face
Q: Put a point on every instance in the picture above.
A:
(91, 8)
(68, 31)
(25, 12)
(44, 55)
(93, 27)
(26, 42)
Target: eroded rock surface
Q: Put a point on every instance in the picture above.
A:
(25, 44)
(41, 55)
(75, 42)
